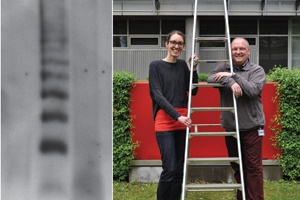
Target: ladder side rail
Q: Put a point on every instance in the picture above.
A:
(234, 102)
(183, 193)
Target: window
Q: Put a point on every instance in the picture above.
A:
(120, 33)
(296, 43)
(120, 27)
(243, 26)
(144, 32)
(169, 25)
(143, 26)
(273, 51)
(212, 27)
(120, 41)
(296, 27)
(273, 27)
(134, 41)
(296, 51)
(251, 41)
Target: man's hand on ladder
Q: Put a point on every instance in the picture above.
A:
(220, 75)
(237, 90)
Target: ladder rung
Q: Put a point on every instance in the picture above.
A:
(206, 124)
(213, 187)
(211, 39)
(212, 61)
(212, 109)
(193, 161)
(208, 84)
(191, 134)
(210, 190)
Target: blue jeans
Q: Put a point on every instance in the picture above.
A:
(172, 147)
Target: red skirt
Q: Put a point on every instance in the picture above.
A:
(164, 122)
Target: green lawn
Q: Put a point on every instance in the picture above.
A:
(274, 190)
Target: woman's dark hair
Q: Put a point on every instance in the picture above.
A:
(175, 32)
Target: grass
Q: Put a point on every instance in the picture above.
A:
(274, 190)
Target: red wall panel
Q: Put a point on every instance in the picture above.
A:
(141, 110)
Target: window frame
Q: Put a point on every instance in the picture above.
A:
(160, 36)
(142, 46)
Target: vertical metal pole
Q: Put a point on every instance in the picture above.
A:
(189, 106)
(234, 103)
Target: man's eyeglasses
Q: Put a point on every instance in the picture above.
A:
(173, 43)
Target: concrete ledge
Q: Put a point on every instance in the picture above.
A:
(143, 163)
(149, 171)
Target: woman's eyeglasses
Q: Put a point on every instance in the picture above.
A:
(173, 43)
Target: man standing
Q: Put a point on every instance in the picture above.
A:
(246, 84)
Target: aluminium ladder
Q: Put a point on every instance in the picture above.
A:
(213, 187)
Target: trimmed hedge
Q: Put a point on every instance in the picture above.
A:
(287, 120)
(123, 146)
(202, 77)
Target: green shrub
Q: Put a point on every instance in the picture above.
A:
(202, 77)
(123, 146)
(287, 126)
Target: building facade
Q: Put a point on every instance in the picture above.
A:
(272, 28)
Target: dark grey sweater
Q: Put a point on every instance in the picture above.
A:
(251, 79)
(169, 84)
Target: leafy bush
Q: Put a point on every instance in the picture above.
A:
(123, 146)
(287, 126)
(202, 77)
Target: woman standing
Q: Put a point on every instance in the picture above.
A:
(169, 83)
